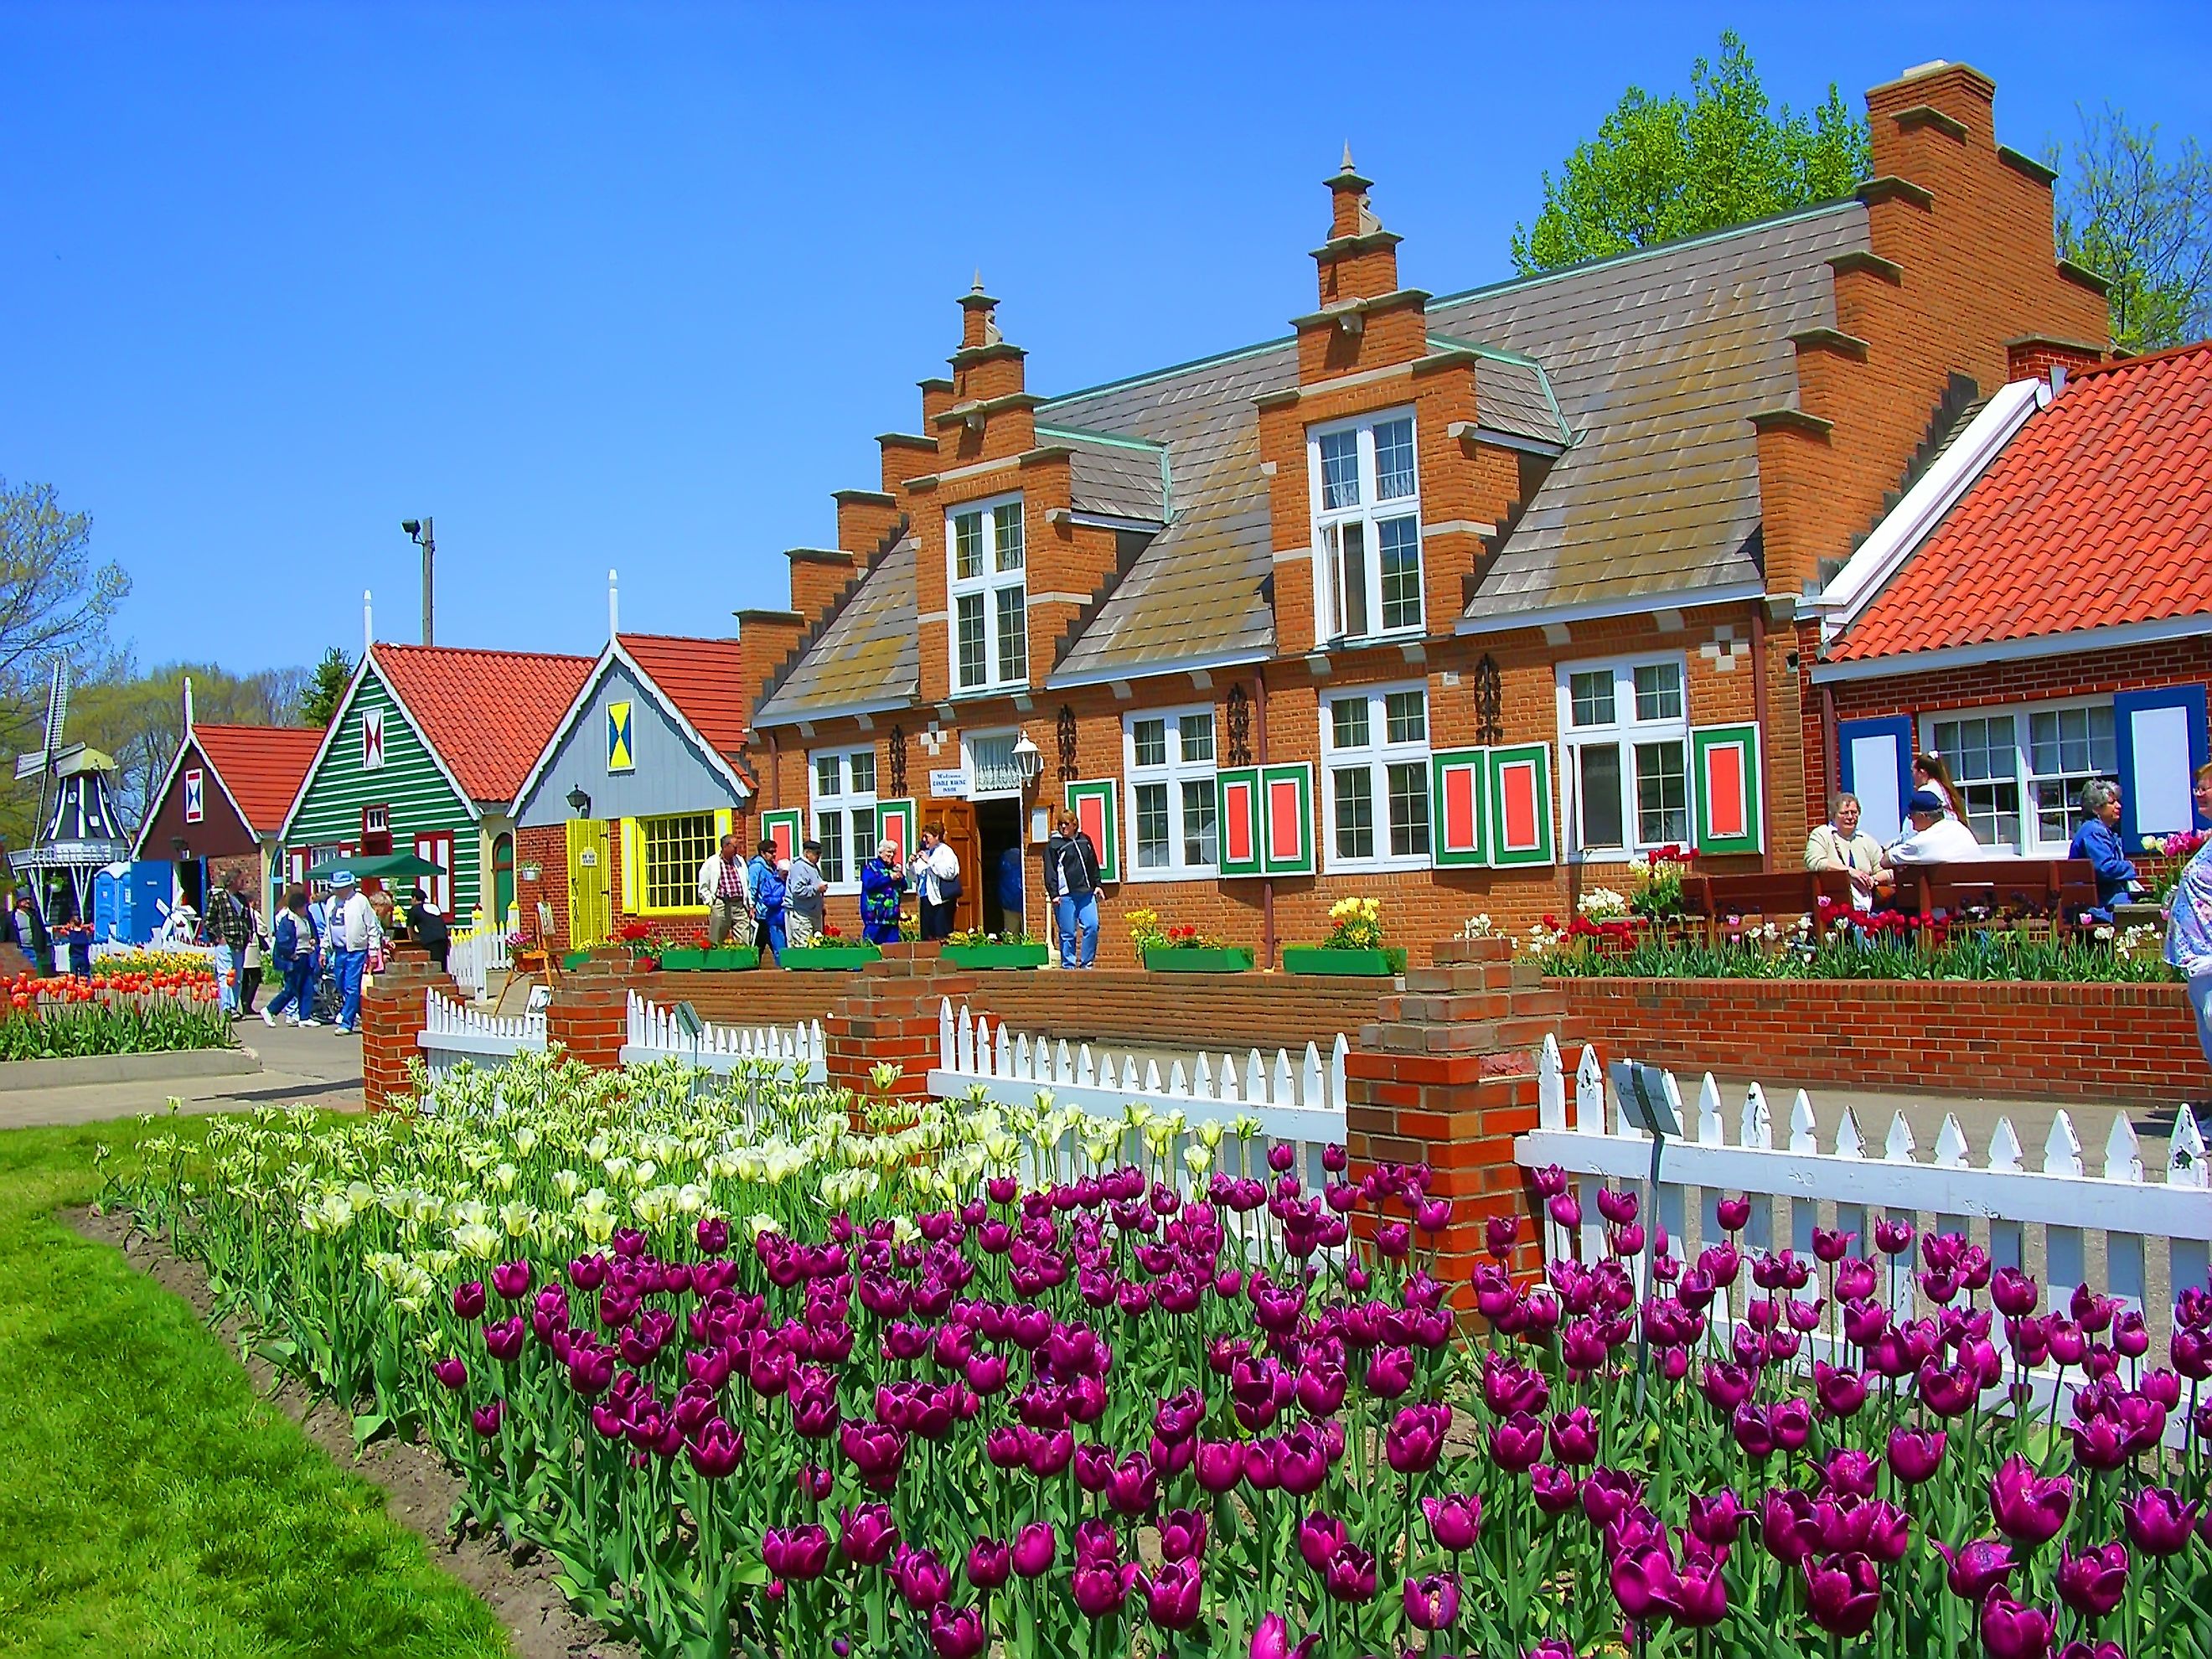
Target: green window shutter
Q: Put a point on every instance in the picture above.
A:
(1096, 804)
(1725, 789)
(1287, 819)
(782, 828)
(1521, 806)
(895, 823)
(1459, 791)
(1236, 799)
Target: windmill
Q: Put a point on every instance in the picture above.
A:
(76, 834)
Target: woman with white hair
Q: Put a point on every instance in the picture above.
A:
(2098, 840)
(882, 885)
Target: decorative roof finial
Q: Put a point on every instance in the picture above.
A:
(1347, 167)
(978, 287)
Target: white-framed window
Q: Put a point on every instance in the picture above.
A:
(1375, 750)
(985, 556)
(1169, 763)
(994, 773)
(1367, 527)
(2020, 770)
(1625, 748)
(844, 802)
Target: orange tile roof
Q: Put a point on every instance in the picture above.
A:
(486, 713)
(702, 678)
(2098, 514)
(261, 767)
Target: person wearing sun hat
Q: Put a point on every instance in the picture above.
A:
(353, 934)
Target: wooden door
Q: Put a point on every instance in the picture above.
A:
(591, 917)
(959, 817)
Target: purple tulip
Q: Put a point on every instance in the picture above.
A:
(485, 1420)
(1840, 1393)
(1349, 1575)
(1565, 1211)
(1717, 1520)
(800, 1552)
(1182, 1535)
(1848, 1472)
(1733, 1213)
(1415, 1438)
(2014, 1293)
(1574, 1436)
(716, 1450)
(451, 1372)
(2092, 1582)
(866, 1534)
(1319, 1537)
(512, 1279)
(1454, 1520)
(989, 1563)
(1219, 1465)
(1273, 1641)
(955, 1632)
(876, 1450)
(503, 1340)
(2026, 1506)
(1893, 1237)
(1842, 1593)
(1100, 1588)
(1171, 1595)
(1518, 1443)
(1499, 1234)
(1608, 1494)
(1432, 1603)
(1788, 1525)
(1034, 1547)
(1555, 1490)
(1914, 1454)
(2010, 1631)
(1975, 1568)
(469, 1299)
(2083, 1649)
(1390, 1372)
(2158, 1522)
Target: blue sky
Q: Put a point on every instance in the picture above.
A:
(637, 286)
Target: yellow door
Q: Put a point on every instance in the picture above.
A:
(590, 919)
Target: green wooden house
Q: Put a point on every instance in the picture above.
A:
(426, 754)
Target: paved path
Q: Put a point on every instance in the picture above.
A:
(317, 1066)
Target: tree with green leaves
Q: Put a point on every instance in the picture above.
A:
(1666, 167)
(325, 687)
(2140, 216)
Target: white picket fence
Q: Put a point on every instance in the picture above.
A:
(2138, 1233)
(655, 1034)
(1302, 1104)
(477, 953)
(452, 1032)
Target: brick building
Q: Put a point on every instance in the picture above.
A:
(1463, 602)
(2037, 610)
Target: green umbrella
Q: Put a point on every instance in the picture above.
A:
(377, 865)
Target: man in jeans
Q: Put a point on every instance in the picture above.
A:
(1071, 881)
(723, 891)
(230, 924)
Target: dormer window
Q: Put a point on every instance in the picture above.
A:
(985, 554)
(1367, 529)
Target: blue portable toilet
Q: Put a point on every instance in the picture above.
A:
(110, 896)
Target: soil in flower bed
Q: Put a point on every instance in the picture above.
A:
(420, 1492)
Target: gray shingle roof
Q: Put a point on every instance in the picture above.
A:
(1196, 591)
(1655, 360)
(868, 658)
(1658, 360)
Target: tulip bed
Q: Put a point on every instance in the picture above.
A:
(769, 1374)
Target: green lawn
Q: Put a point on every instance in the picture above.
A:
(149, 1502)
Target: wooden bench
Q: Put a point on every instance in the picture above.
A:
(1771, 895)
(2056, 890)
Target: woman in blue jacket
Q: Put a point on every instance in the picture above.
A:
(768, 892)
(293, 955)
(2098, 840)
(882, 885)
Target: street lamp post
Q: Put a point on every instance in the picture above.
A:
(418, 530)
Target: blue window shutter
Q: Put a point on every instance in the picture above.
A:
(1875, 760)
(2159, 735)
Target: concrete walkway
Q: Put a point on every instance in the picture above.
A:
(318, 1067)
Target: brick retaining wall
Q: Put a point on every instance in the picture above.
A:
(2103, 1043)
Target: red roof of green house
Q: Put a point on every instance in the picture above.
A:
(261, 767)
(2098, 514)
(702, 678)
(487, 714)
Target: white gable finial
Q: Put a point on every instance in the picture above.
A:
(188, 705)
(367, 623)
(614, 614)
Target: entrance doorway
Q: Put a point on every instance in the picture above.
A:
(998, 878)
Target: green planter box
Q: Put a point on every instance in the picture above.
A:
(574, 960)
(1381, 963)
(997, 956)
(827, 958)
(724, 961)
(1199, 959)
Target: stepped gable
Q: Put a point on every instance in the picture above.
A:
(867, 658)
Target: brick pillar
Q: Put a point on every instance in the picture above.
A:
(392, 1016)
(1448, 1077)
(589, 1013)
(889, 1016)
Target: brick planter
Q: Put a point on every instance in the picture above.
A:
(2110, 1043)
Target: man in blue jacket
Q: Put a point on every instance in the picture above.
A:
(768, 889)
(2098, 840)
